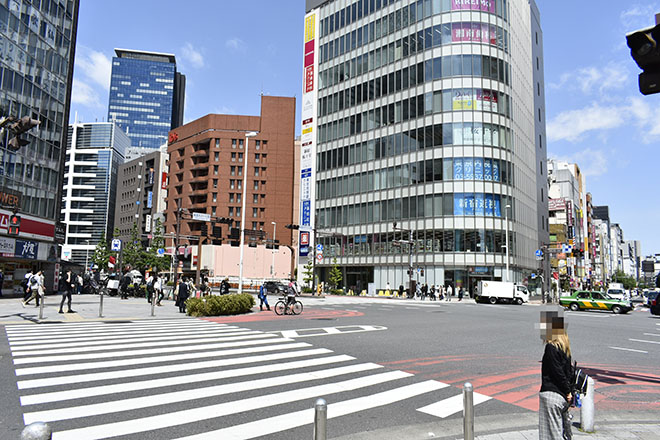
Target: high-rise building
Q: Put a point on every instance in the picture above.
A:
(37, 50)
(94, 153)
(146, 96)
(141, 191)
(208, 165)
(428, 115)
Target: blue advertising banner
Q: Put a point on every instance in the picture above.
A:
(478, 169)
(458, 169)
(26, 249)
(468, 167)
(458, 204)
(496, 170)
(306, 212)
(488, 170)
(150, 196)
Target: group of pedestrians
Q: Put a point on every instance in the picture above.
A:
(434, 292)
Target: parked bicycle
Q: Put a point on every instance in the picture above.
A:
(282, 307)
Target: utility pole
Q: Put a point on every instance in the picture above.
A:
(410, 258)
(175, 258)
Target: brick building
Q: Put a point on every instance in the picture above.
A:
(207, 160)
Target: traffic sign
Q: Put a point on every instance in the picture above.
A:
(319, 248)
(319, 257)
(538, 253)
(161, 251)
(201, 216)
(115, 245)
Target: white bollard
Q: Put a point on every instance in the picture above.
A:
(37, 431)
(587, 409)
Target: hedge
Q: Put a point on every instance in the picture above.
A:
(233, 304)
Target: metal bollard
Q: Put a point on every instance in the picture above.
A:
(468, 412)
(37, 431)
(41, 305)
(101, 304)
(153, 303)
(320, 419)
(587, 409)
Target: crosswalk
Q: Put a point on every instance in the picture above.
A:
(194, 379)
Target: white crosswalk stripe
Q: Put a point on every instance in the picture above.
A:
(185, 379)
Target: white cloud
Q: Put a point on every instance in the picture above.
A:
(224, 110)
(590, 79)
(592, 162)
(83, 94)
(192, 56)
(95, 66)
(571, 125)
(235, 44)
(638, 17)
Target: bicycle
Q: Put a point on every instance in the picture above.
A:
(282, 308)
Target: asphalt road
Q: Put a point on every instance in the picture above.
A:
(384, 366)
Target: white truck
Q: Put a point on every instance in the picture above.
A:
(616, 291)
(501, 291)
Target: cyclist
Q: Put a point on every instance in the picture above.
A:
(291, 294)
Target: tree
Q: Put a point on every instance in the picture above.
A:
(151, 258)
(102, 253)
(627, 281)
(335, 275)
(308, 272)
(133, 251)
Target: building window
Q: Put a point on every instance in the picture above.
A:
(233, 143)
(264, 144)
(213, 210)
(240, 184)
(256, 185)
(240, 171)
(240, 157)
(255, 212)
(231, 197)
(215, 170)
(231, 211)
(257, 144)
(216, 156)
(238, 211)
(240, 144)
(239, 197)
(254, 226)
(232, 171)
(215, 183)
(255, 198)
(232, 184)
(215, 197)
(256, 171)
(217, 143)
(233, 157)
(256, 158)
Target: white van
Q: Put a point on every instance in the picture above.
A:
(501, 291)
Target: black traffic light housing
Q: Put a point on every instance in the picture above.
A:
(18, 127)
(217, 231)
(644, 49)
(14, 225)
(292, 226)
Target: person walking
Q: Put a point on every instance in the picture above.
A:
(2, 280)
(461, 292)
(450, 292)
(556, 373)
(159, 283)
(263, 298)
(150, 286)
(36, 288)
(123, 285)
(182, 295)
(441, 292)
(66, 286)
(25, 284)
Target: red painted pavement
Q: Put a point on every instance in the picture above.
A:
(271, 316)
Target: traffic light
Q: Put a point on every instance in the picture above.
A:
(19, 127)
(217, 231)
(14, 225)
(644, 50)
(292, 226)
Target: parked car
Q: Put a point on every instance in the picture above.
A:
(275, 287)
(587, 300)
(649, 296)
(654, 303)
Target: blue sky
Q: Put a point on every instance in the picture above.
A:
(231, 52)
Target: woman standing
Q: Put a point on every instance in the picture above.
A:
(556, 371)
(66, 286)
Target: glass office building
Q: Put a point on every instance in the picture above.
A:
(146, 96)
(37, 48)
(94, 153)
(429, 115)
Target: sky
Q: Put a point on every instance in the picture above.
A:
(232, 52)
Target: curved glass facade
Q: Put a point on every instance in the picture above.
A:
(422, 121)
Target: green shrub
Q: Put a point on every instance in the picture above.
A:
(222, 305)
(306, 289)
(337, 292)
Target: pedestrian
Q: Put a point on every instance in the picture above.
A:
(461, 292)
(66, 286)
(35, 286)
(79, 283)
(25, 285)
(441, 292)
(150, 286)
(556, 373)
(418, 290)
(432, 296)
(182, 295)
(450, 292)
(158, 289)
(124, 282)
(400, 290)
(263, 298)
(425, 290)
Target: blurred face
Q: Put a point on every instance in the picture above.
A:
(551, 325)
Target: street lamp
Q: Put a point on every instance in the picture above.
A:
(272, 266)
(506, 238)
(87, 255)
(248, 135)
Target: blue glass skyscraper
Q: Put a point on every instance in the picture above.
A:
(146, 96)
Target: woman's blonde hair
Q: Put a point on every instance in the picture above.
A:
(561, 341)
